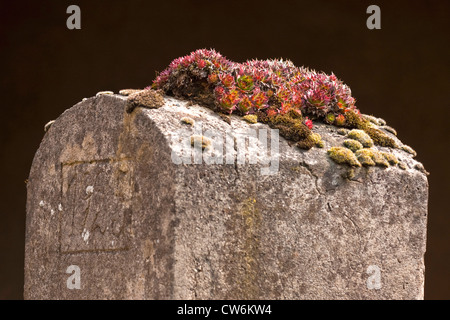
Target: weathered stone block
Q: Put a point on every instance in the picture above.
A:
(113, 194)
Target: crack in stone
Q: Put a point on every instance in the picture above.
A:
(316, 177)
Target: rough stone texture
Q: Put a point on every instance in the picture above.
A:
(106, 195)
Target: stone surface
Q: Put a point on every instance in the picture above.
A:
(112, 193)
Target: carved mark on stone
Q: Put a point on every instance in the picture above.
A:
(96, 196)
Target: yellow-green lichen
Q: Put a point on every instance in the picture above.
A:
(251, 118)
(361, 136)
(343, 155)
(187, 120)
(200, 141)
(353, 145)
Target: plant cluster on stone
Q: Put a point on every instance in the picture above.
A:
(277, 92)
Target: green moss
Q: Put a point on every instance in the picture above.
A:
(402, 165)
(342, 131)
(371, 157)
(372, 119)
(352, 144)
(379, 159)
(389, 129)
(317, 139)
(306, 143)
(391, 158)
(200, 141)
(349, 174)
(365, 156)
(343, 155)
(355, 121)
(361, 136)
(290, 128)
(251, 118)
(380, 138)
(381, 121)
(187, 120)
(262, 116)
(296, 169)
(409, 150)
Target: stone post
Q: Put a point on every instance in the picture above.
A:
(176, 203)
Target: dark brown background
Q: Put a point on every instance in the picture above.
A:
(400, 73)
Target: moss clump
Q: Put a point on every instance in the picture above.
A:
(381, 121)
(365, 157)
(349, 174)
(200, 141)
(380, 138)
(421, 168)
(343, 155)
(317, 139)
(371, 157)
(306, 143)
(372, 119)
(402, 165)
(389, 129)
(342, 131)
(187, 120)
(251, 118)
(352, 144)
(354, 120)
(391, 158)
(292, 128)
(361, 136)
(148, 98)
(379, 159)
(409, 150)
